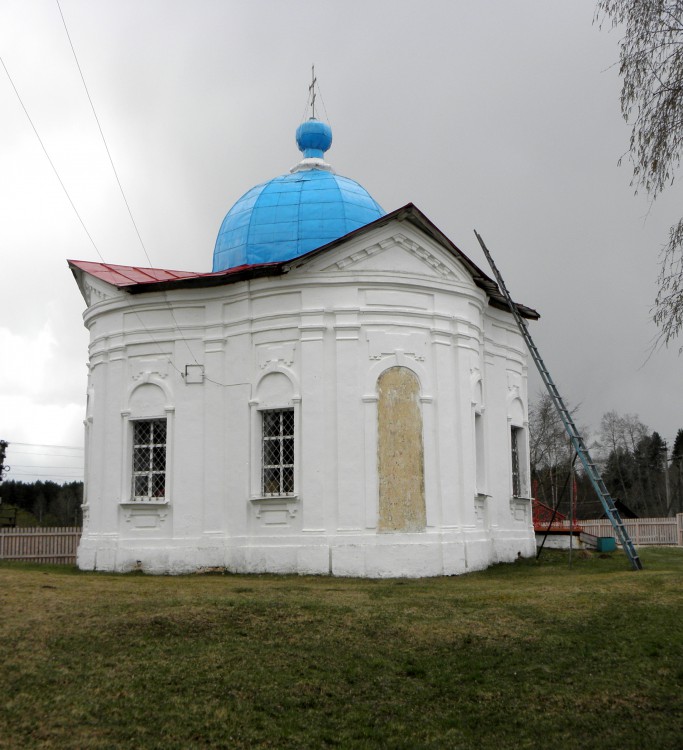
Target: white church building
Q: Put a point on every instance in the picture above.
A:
(345, 393)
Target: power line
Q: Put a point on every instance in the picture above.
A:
(38, 473)
(54, 169)
(116, 175)
(73, 206)
(46, 466)
(104, 141)
(51, 455)
(45, 445)
(85, 229)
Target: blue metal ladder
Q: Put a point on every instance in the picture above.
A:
(578, 444)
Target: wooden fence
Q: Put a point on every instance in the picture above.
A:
(655, 531)
(59, 545)
(42, 545)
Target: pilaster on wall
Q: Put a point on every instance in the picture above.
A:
(351, 457)
(465, 351)
(370, 401)
(497, 440)
(444, 504)
(103, 490)
(107, 434)
(212, 462)
(187, 495)
(313, 450)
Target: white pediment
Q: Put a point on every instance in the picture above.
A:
(95, 290)
(398, 252)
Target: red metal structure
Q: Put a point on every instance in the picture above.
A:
(542, 515)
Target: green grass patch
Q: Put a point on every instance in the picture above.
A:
(528, 655)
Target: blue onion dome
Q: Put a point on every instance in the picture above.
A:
(313, 138)
(295, 213)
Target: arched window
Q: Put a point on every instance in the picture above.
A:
(275, 428)
(518, 449)
(148, 435)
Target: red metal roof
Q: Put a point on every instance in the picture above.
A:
(121, 276)
(137, 277)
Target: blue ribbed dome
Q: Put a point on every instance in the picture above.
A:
(295, 213)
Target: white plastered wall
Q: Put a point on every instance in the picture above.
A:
(315, 340)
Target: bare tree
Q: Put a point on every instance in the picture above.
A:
(549, 448)
(612, 443)
(651, 67)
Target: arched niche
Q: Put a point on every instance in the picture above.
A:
(147, 400)
(275, 389)
(516, 412)
(477, 394)
(90, 402)
(400, 452)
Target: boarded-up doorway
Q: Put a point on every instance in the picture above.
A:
(400, 454)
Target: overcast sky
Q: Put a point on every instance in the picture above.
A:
(495, 115)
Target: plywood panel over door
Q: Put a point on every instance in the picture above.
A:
(400, 452)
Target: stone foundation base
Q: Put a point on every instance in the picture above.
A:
(376, 556)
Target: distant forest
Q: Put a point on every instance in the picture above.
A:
(637, 466)
(42, 503)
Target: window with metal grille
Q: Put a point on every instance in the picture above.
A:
(149, 459)
(516, 477)
(278, 452)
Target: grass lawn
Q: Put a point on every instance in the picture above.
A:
(529, 655)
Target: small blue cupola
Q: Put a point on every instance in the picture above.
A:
(295, 213)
